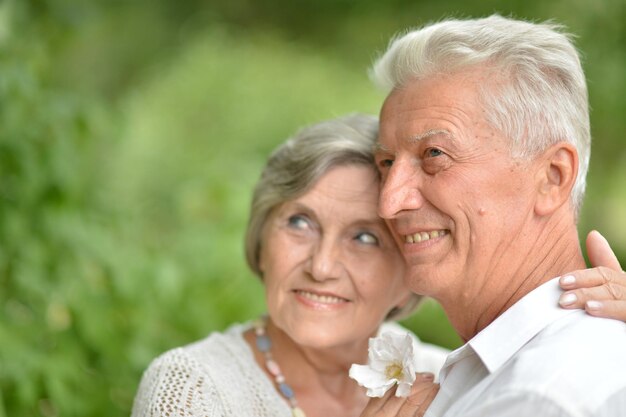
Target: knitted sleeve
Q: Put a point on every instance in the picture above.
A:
(174, 385)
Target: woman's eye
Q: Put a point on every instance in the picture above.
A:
(298, 222)
(385, 163)
(367, 238)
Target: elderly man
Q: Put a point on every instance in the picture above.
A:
(483, 150)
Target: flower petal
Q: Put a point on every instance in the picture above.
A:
(367, 377)
(403, 389)
(381, 390)
(386, 354)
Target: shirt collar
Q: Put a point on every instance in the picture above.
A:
(499, 341)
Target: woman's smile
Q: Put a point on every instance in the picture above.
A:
(320, 300)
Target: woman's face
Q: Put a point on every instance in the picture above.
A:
(331, 269)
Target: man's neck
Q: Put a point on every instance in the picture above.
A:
(552, 254)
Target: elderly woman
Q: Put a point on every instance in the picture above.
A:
(333, 278)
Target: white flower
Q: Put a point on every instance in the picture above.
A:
(391, 360)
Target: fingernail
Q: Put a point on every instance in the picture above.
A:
(593, 305)
(428, 375)
(601, 235)
(568, 280)
(567, 299)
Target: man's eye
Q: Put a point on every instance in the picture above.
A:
(433, 152)
(385, 163)
(298, 222)
(367, 238)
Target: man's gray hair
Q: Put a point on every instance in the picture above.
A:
(296, 166)
(539, 94)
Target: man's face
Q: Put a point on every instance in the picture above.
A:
(455, 200)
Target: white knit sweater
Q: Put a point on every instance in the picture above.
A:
(218, 376)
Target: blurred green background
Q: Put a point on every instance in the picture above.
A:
(131, 134)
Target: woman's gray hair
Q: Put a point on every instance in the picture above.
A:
(295, 166)
(538, 96)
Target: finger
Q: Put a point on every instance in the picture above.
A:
(375, 406)
(599, 251)
(610, 285)
(420, 397)
(429, 399)
(612, 291)
(592, 277)
(600, 255)
(391, 406)
(609, 309)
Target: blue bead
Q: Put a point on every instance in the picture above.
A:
(286, 390)
(263, 343)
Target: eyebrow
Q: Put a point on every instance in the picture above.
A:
(416, 138)
(431, 133)
(379, 147)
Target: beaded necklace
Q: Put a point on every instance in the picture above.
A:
(264, 344)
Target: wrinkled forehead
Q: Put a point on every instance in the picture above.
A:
(414, 138)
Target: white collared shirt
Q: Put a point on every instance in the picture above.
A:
(537, 360)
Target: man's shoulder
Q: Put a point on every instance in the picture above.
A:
(577, 356)
(577, 338)
(582, 332)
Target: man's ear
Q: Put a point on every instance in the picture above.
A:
(556, 176)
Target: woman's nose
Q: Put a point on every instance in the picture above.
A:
(325, 261)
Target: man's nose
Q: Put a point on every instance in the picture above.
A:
(400, 191)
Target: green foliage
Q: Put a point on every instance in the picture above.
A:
(46, 141)
(60, 306)
(131, 134)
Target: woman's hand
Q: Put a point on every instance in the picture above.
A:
(601, 291)
(422, 394)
